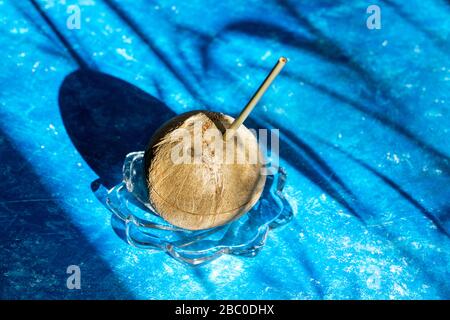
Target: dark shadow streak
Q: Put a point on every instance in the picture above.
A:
(161, 56)
(202, 278)
(39, 240)
(445, 217)
(441, 43)
(106, 118)
(333, 53)
(293, 156)
(390, 183)
(81, 63)
(35, 23)
(204, 40)
(319, 161)
(267, 30)
(308, 265)
(300, 163)
(302, 158)
(385, 233)
(443, 159)
(326, 48)
(326, 44)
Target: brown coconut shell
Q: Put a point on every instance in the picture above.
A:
(209, 190)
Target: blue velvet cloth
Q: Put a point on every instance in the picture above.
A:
(364, 124)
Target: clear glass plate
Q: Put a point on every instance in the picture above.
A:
(144, 228)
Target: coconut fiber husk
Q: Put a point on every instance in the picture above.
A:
(205, 189)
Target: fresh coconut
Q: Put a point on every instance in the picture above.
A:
(196, 178)
(205, 168)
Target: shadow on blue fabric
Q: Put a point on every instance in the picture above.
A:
(46, 241)
(107, 118)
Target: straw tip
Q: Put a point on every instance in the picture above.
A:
(283, 59)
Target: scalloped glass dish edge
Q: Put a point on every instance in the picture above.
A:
(145, 229)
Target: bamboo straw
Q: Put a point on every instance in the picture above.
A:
(255, 99)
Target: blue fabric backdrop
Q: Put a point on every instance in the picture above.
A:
(364, 122)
